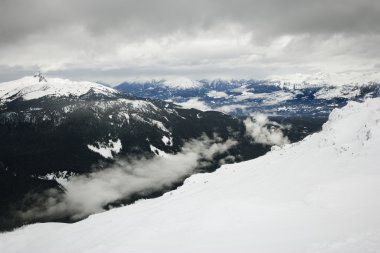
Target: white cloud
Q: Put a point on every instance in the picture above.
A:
(267, 98)
(230, 108)
(217, 94)
(89, 193)
(196, 104)
(264, 131)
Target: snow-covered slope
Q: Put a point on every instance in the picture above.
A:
(32, 88)
(319, 195)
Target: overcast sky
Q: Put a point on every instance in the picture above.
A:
(115, 40)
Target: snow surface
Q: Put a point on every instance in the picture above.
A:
(159, 125)
(318, 195)
(30, 88)
(106, 149)
(167, 140)
(59, 176)
(157, 151)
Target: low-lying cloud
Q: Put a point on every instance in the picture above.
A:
(264, 131)
(90, 193)
(195, 103)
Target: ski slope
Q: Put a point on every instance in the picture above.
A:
(318, 195)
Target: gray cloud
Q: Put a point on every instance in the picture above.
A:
(246, 37)
(20, 18)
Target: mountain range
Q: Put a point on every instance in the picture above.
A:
(240, 98)
(55, 132)
(55, 129)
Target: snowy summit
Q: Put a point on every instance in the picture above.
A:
(318, 195)
(33, 87)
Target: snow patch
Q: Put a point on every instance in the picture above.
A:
(106, 149)
(157, 151)
(160, 125)
(59, 176)
(167, 140)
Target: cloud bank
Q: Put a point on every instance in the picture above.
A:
(90, 193)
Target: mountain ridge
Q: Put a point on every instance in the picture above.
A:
(30, 87)
(241, 98)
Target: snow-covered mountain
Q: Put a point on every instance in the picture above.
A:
(318, 195)
(31, 87)
(101, 121)
(244, 97)
(54, 129)
(181, 83)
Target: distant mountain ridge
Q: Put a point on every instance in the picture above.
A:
(243, 97)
